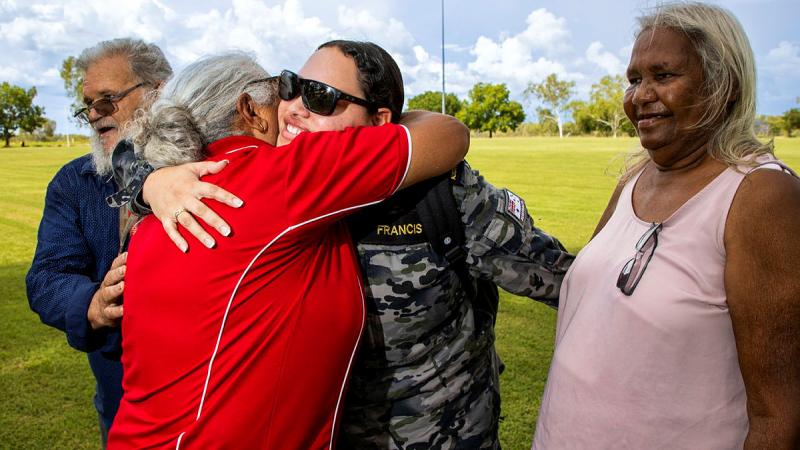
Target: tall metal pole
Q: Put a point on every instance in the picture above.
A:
(443, 91)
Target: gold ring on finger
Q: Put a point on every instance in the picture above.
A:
(177, 213)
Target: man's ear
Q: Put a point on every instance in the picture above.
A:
(250, 120)
(383, 116)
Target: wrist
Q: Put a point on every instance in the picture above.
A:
(93, 315)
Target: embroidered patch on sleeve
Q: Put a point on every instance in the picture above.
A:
(515, 206)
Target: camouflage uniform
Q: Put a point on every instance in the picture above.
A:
(427, 372)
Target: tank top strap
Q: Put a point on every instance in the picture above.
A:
(769, 162)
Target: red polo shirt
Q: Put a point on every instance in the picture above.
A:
(249, 344)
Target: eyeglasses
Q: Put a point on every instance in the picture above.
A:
(633, 270)
(105, 106)
(263, 80)
(318, 97)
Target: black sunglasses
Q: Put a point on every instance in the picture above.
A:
(317, 96)
(105, 106)
(633, 270)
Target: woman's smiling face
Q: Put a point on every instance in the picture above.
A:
(665, 98)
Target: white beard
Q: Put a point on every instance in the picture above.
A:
(100, 157)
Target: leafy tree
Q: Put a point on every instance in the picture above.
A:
(791, 120)
(605, 104)
(46, 131)
(546, 126)
(17, 111)
(555, 95)
(582, 117)
(432, 101)
(73, 84)
(489, 109)
(769, 125)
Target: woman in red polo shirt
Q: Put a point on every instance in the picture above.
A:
(249, 344)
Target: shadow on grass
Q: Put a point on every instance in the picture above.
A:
(46, 387)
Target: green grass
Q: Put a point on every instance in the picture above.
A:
(46, 387)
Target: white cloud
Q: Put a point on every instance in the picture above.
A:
(361, 24)
(7, 6)
(279, 35)
(29, 75)
(65, 27)
(511, 60)
(36, 35)
(529, 56)
(778, 76)
(783, 60)
(604, 59)
(545, 31)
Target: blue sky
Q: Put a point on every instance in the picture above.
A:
(508, 41)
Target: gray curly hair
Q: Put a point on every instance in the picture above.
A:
(197, 107)
(147, 61)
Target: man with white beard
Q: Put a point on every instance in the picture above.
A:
(75, 282)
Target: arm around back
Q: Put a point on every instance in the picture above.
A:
(438, 143)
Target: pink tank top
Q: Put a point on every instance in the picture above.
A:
(657, 369)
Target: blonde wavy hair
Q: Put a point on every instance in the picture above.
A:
(729, 87)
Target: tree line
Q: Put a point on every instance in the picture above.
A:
(488, 109)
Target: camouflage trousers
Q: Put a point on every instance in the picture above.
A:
(450, 411)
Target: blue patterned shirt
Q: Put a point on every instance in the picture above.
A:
(78, 239)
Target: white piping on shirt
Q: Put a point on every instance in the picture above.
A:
(178, 445)
(240, 148)
(408, 162)
(349, 363)
(250, 265)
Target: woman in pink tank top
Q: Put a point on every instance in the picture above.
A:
(679, 324)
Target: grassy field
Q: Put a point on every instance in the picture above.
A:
(46, 387)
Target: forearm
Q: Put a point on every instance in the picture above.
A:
(531, 271)
(504, 246)
(438, 144)
(774, 433)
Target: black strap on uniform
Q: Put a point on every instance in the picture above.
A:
(444, 229)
